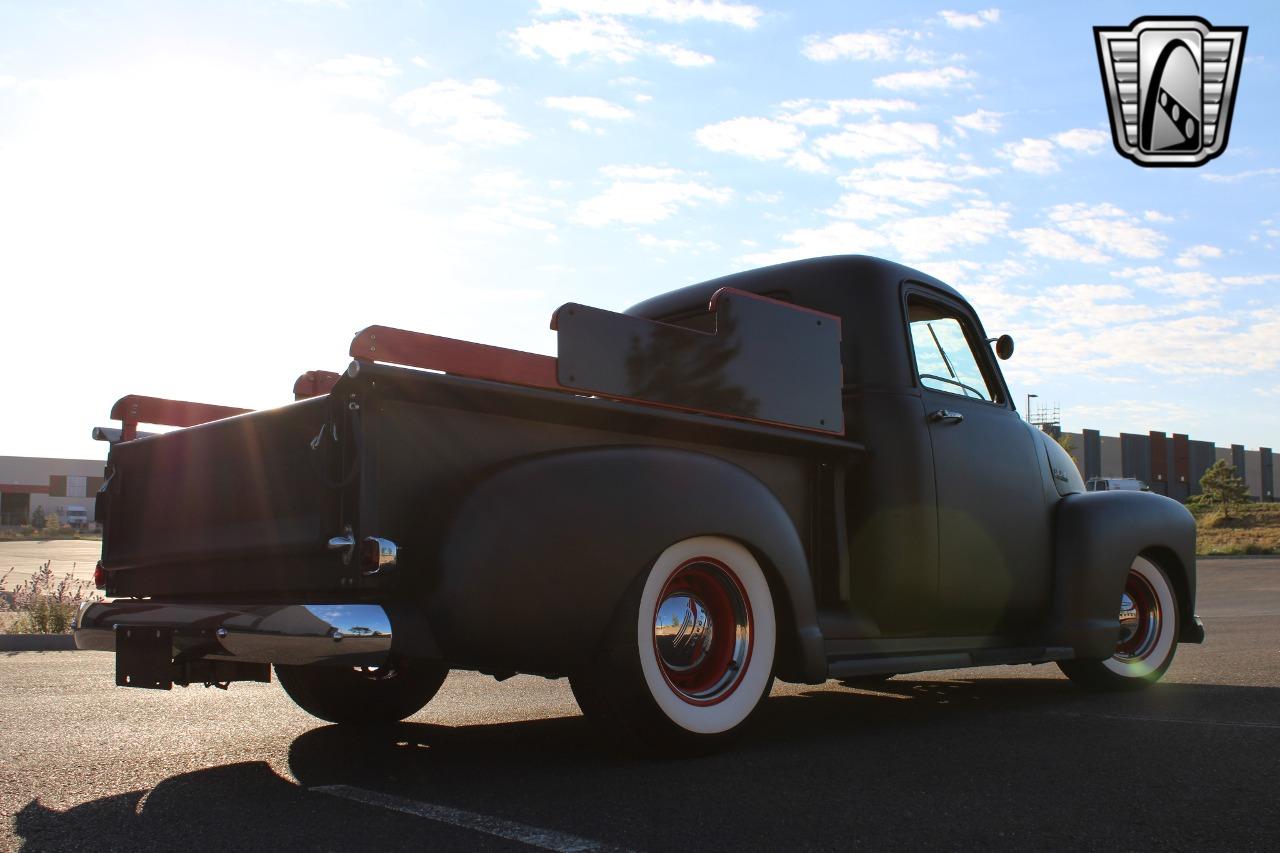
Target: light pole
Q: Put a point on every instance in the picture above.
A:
(1029, 396)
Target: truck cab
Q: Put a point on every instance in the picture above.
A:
(926, 548)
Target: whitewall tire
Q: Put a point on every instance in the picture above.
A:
(1149, 621)
(691, 651)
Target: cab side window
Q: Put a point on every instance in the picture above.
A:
(945, 358)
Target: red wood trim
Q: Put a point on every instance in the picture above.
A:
(314, 383)
(461, 358)
(136, 409)
(18, 489)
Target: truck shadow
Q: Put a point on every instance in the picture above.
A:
(971, 762)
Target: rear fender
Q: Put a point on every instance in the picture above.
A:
(541, 553)
(1098, 536)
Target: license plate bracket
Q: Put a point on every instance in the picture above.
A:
(144, 657)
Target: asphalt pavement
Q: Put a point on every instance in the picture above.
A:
(1002, 758)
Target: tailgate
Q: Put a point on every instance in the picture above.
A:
(225, 495)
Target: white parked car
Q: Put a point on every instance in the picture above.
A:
(1112, 484)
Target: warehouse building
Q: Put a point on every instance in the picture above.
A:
(1170, 464)
(54, 485)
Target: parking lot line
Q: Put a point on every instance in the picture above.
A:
(1145, 719)
(533, 836)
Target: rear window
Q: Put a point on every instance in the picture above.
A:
(702, 320)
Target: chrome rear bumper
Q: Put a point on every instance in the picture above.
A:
(338, 634)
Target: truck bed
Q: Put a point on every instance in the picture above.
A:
(244, 507)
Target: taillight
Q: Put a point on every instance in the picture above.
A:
(99, 576)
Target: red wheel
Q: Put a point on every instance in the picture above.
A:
(703, 631)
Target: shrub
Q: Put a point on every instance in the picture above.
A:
(45, 604)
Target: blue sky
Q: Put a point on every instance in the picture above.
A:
(203, 201)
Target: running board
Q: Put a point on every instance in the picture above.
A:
(852, 667)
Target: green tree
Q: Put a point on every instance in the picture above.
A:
(37, 518)
(1066, 441)
(1223, 486)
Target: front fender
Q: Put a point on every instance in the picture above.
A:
(1098, 534)
(540, 554)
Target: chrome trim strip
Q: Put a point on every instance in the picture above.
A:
(341, 634)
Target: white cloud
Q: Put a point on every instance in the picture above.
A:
(248, 177)
(1082, 139)
(354, 63)
(1040, 156)
(911, 238)
(916, 168)
(1191, 283)
(1052, 243)
(463, 111)
(358, 76)
(1109, 228)
(915, 180)
(682, 56)
(1259, 278)
(675, 244)
(595, 30)
(876, 138)
(1241, 176)
(974, 21)
(741, 15)
(640, 173)
(503, 202)
(1030, 155)
(1156, 216)
(983, 121)
(807, 161)
(869, 45)
(1088, 292)
(757, 138)
(571, 38)
(641, 195)
(926, 236)
(810, 112)
(1192, 256)
(861, 207)
(906, 190)
(933, 80)
(590, 107)
(598, 39)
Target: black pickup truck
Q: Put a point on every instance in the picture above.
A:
(809, 471)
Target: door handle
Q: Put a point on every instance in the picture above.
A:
(945, 416)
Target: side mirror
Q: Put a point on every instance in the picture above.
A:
(1004, 347)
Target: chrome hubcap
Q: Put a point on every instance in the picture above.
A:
(1129, 619)
(702, 631)
(1139, 620)
(683, 632)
